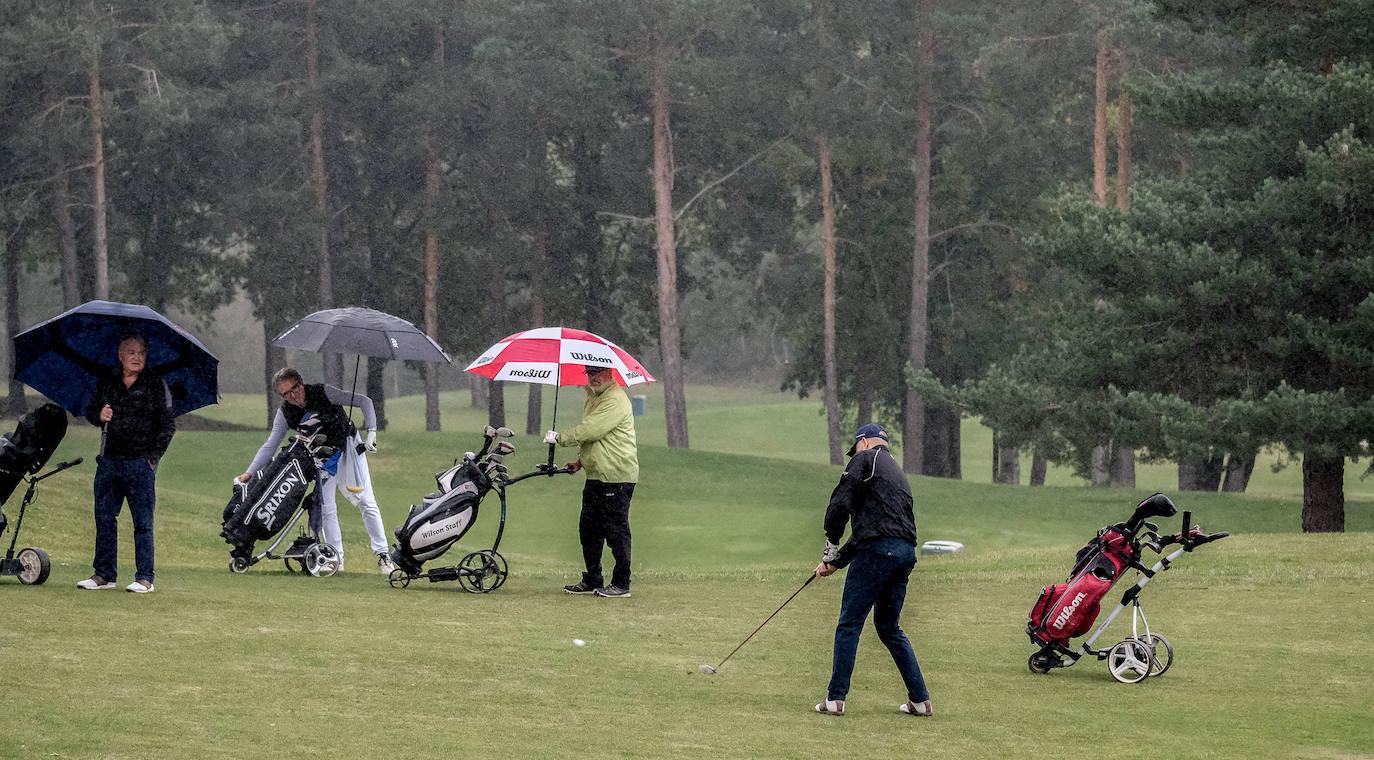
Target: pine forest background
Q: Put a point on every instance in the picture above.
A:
(1113, 230)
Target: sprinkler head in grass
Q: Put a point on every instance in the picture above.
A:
(707, 669)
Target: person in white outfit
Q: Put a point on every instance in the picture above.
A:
(346, 471)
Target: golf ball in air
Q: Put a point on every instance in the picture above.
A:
(579, 642)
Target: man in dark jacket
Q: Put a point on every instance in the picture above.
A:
(874, 496)
(133, 408)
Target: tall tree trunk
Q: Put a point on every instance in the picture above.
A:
(1100, 127)
(333, 363)
(1039, 467)
(863, 401)
(16, 403)
(1100, 474)
(834, 437)
(1123, 467)
(376, 389)
(1123, 152)
(1239, 467)
(913, 430)
(99, 233)
(1123, 457)
(1323, 494)
(1200, 473)
(61, 198)
(496, 403)
(479, 388)
(941, 449)
(670, 336)
(274, 358)
(539, 255)
(432, 176)
(832, 396)
(587, 237)
(1008, 466)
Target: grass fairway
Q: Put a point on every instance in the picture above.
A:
(1270, 626)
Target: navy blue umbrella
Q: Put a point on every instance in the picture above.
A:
(65, 357)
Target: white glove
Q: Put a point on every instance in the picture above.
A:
(370, 443)
(551, 437)
(831, 553)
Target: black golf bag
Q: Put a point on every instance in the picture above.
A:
(29, 447)
(267, 503)
(441, 518)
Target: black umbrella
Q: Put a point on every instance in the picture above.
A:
(366, 332)
(65, 357)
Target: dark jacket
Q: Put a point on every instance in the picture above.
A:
(143, 423)
(334, 422)
(873, 494)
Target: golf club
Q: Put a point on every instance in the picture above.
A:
(708, 670)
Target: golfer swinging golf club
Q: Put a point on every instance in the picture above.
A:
(874, 496)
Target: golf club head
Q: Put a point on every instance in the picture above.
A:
(504, 432)
(489, 431)
(505, 447)
(706, 669)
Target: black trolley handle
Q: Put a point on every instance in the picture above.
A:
(59, 468)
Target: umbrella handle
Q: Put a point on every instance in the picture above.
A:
(554, 424)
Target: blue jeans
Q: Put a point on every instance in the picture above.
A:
(877, 581)
(115, 481)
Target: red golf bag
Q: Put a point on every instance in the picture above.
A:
(1069, 609)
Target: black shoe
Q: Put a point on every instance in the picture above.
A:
(612, 590)
(581, 588)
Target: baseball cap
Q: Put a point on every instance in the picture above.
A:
(871, 430)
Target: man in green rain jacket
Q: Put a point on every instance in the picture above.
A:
(606, 450)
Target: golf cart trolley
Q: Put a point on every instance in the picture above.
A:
(22, 454)
(272, 501)
(32, 565)
(441, 518)
(1068, 609)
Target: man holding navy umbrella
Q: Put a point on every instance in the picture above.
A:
(133, 408)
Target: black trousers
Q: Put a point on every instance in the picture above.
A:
(605, 521)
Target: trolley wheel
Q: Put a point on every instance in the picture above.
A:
(1041, 663)
(1161, 653)
(34, 566)
(290, 568)
(321, 560)
(398, 578)
(481, 572)
(1130, 661)
(238, 565)
(502, 572)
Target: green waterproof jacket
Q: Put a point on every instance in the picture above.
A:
(606, 437)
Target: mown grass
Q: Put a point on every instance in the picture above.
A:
(1268, 625)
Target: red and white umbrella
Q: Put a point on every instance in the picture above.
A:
(556, 356)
